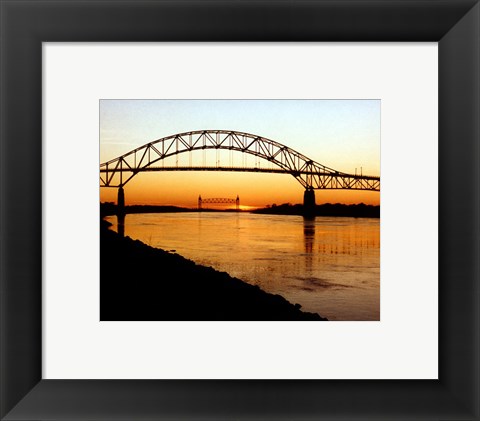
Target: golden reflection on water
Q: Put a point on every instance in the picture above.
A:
(329, 265)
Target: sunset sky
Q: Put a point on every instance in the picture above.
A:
(341, 134)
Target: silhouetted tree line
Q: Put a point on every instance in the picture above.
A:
(360, 210)
(110, 208)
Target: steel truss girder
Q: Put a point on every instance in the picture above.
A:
(308, 173)
(218, 200)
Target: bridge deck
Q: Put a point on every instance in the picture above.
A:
(239, 169)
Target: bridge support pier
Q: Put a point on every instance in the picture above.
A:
(309, 202)
(121, 201)
(121, 212)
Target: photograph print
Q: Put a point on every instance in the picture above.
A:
(239, 210)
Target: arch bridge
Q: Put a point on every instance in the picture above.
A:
(310, 174)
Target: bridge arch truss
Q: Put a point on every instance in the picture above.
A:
(310, 174)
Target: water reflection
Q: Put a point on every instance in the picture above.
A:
(121, 224)
(309, 233)
(308, 241)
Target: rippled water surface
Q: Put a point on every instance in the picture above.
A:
(329, 265)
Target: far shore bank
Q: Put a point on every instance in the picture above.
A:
(360, 210)
(142, 283)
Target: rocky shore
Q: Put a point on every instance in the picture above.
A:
(142, 283)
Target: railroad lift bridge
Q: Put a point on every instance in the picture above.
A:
(311, 175)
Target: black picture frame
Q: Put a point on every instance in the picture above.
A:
(454, 24)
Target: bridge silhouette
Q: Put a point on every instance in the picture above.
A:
(218, 201)
(310, 174)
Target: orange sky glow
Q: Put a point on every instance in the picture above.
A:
(341, 134)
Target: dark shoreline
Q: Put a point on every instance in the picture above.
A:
(328, 209)
(142, 283)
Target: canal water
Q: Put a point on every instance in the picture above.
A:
(328, 265)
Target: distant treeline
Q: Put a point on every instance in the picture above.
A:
(110, 208)
(328, 209)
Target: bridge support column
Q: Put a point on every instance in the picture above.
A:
(121, 212)
(121, 201)
(309, 202)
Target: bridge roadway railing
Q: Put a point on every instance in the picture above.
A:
(369, 182)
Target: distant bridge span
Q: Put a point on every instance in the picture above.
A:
(219, 201)
(310, 174)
